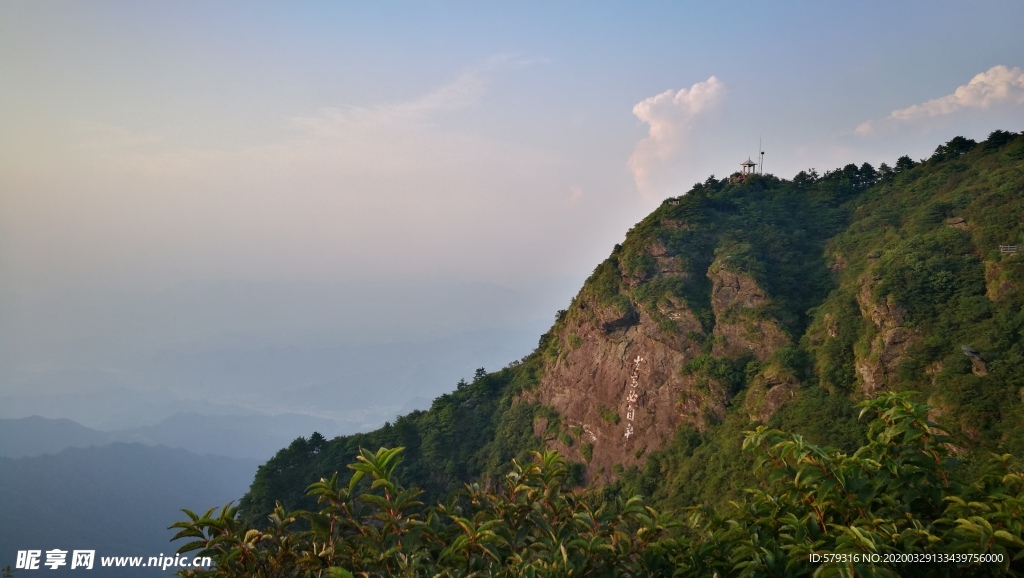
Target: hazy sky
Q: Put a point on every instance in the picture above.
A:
(149, 148)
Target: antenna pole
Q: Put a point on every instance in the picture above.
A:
(761, 152)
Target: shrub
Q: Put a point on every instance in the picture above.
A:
(607, 415)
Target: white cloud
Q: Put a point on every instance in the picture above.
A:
(464, 91)
(996, 86)
(460, 93)
(670, 116)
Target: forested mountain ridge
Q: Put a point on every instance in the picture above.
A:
(781, 302)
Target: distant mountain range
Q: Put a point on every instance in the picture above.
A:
(70, 487)
(67, 486)
(35, 436)
(117, 499)
(254, 436)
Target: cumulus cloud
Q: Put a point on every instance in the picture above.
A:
(670, 117)
(996, 86)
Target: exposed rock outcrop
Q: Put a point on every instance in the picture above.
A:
(958, 223)
(978, 366)
(740, 323)
(624, 388)
(617, 380)
(997, 285)
(890, 343)
(668, 265)
(768, 392)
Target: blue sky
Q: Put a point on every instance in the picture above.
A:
(151, 147)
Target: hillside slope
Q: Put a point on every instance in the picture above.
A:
(764, 301)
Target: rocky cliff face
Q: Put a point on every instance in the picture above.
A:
(741, 323)
(890, 343)
(618, 380)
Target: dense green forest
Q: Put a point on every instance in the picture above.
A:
(872, 282)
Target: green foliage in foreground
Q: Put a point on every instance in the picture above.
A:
(900, 493)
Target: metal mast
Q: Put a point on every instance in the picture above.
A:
(761, 151)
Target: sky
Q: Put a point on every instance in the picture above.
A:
(182, 179)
